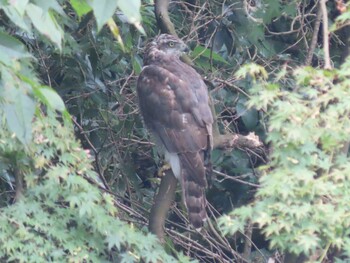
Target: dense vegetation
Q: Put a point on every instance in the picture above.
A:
(79, 173)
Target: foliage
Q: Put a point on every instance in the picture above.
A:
(302, 205)
(62, 215)
(77, 203)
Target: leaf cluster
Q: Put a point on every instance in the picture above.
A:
(84, 205)
(53, 208)
(302, 205)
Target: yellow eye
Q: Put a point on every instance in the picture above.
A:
(171, 44)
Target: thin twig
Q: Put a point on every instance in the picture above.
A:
(194, 245)
(233, 86)
(224, 242)
(302, 24)
(235, 179)
(96, 153)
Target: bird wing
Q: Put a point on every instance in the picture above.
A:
(176, 111)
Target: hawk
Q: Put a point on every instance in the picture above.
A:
(174, 104)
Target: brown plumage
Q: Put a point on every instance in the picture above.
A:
(174, 104)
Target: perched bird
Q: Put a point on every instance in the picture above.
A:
(174, 104)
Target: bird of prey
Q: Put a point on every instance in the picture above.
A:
(174, 104)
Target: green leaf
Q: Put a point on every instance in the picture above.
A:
(131, 10)
(50, 98)
(49, 4)
(45, 23)
(103, 10)
(80, 7)
(308, 242)
(136, 64)
(11, 50)
(127, 257)
(250, 117)
(15, 10)
(114, 239)
(290, 9)
(19, 110)
(115, 31)
(255, 33)
(272, 10)
(18, 107)
(19, 5)
(207, 53)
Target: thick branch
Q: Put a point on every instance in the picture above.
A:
(231, 141)
(162, 204)
(162, 16)
(327, 58)
(164, 23)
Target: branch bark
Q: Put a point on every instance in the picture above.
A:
(234, 140)
(162, 204)
(162, 16)
(164, 23)
(248, 242)
(314, 37)
(19, 184)
(327, 58)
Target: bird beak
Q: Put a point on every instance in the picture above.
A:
(185, 48)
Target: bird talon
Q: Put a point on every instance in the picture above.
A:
(163, 169)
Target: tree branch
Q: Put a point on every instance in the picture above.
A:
(248, 242)
(327, 58)
(314, 37)
(234, 140)
(162, 204)
(19, 183)
(162, 16)
(164, 23)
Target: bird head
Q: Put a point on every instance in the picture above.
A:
(169, 45)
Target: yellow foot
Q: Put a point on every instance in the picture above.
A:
(162, 169)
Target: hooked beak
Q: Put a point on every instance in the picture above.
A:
(185, 48)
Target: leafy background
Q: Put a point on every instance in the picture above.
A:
(78, 172)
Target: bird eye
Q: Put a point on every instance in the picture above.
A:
(171, 44)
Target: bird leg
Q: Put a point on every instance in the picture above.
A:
(163, 169)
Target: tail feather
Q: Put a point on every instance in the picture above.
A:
(193, 187)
